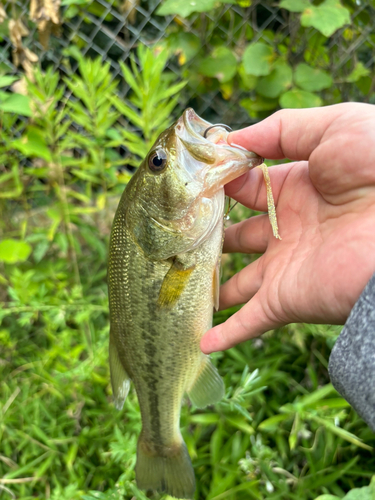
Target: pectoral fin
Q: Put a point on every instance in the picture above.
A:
(174, 283)
(119, 378)
(208, 387)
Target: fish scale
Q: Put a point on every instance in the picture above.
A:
(154, 331)
(165, 247)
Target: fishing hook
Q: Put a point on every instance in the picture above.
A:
(227, 127)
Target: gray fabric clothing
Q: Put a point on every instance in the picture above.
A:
(352, 361)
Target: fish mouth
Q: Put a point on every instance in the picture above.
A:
(222, 162)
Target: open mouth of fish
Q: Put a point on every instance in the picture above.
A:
(207, 143)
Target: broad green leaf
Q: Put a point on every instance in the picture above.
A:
(259, 104)
(248, 81)
(184, 45)
(257, 59)
(310, 79)
(278, 81)
(358, 72)
(327, 17)
(98, 10)
(73, 51)
(364, 84)
(365, 493)
(70, 12)
(16, 103)
(12, 251)
(360, 494)
(221, 64)
(294, 5)
(316, 54)
(299, 99)
(6, 80)
(186, 7)
(327, 497)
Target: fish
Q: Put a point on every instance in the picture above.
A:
(163, 278)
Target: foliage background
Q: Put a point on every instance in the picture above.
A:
(71, 135)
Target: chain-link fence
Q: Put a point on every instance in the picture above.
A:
(112, 30)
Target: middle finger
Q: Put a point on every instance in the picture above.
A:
(249, 236)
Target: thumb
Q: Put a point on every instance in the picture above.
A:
(249, 322)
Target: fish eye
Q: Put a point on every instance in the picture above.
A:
(157, 160)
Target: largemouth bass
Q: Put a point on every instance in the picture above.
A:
(164, 260)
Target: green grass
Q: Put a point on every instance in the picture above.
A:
(273, 436)
(281, 432)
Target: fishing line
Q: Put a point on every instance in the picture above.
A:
(227, 128)
(230, 208)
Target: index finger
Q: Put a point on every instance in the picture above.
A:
(289, 133)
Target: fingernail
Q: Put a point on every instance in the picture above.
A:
(207, 341)
(210, 341)
(233, 144)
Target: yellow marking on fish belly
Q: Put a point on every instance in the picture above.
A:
(173, 284)
(270, 201)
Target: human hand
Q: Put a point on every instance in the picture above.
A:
(325, 204)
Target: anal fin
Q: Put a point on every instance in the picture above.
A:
(119, 378)
(208, 387)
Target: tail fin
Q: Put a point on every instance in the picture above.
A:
(172, 474)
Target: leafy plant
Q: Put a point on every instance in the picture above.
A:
(300, 69)
(153, 99)
(365, 493)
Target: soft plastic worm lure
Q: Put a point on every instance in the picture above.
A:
(270, 201)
